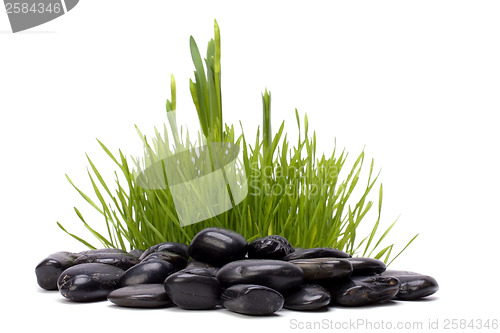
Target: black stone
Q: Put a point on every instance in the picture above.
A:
(316, 252)
(48, 270)
(316, 269)
(147, 272)
(269, 247)
(276, 274)
(172, 247)
(95, 251)
(201, 270)
(136, 253)
(193, 263)
(218, 246)
(193, 289)
(178, 261)
(307, 297)
(366, 266)
(140, 296)
(251, 299)
(89, 282)
(120, 260)
(412, 285)
(363, 290)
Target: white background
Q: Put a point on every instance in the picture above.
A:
(414, 83)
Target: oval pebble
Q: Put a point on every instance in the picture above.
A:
(316, 252)
(363, 290)
(276, 274)
(193, 289)
(316, 269)
(136, 253)
(147, 272)
(217, 246)
(89, 282)
(120, 260)
(251, 299)
(140, 296)
(172, 247)
(366, 266)
(48, 270)
(269, 247)
(307, 297)
(412, 285)
(178, 261)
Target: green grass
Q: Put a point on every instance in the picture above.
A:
(292, 191)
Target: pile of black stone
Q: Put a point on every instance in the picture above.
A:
(220, 268)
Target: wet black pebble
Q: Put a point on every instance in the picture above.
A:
(217, 246)
(316, 252)
(89, 282)
(48, 270)
(193, 289)
(120, 260)
(147, 272)
(363, 290)
(251, 299)
(178, 261)
(140, 296)
(173, 247)
(412, 285)
(307, 297)
(316, 269)
(269, 247)
(276, 274)
(136, 253)
(366, 266)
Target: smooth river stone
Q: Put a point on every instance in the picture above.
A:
(251, 299)
(178, 261)
(147, 272)
(307, 297)
(136, 253)
(217, 246)
(276, 274)
(120, 260)
(363, 290)
(109, 250)
(198, 264)
(316, 252)
(140, 296)
(193, 289)
(366, 266)
(48, 270)
(316, 269)
(89, 282)
(172, 247)
(269, 247)
(412, 285)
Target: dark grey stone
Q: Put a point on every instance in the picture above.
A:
(276, 274)
(269, 247)
(316, 269)
(307, 297)
(172, 247)
(251, 299)
(366, 266)
(363, 290)
(193, 289)
(48, 270)
(316, 252)
(89, 282)
(217, 246)
(147, 272)
(412, 285)
(140, 296)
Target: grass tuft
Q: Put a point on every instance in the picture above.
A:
(292, 191)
